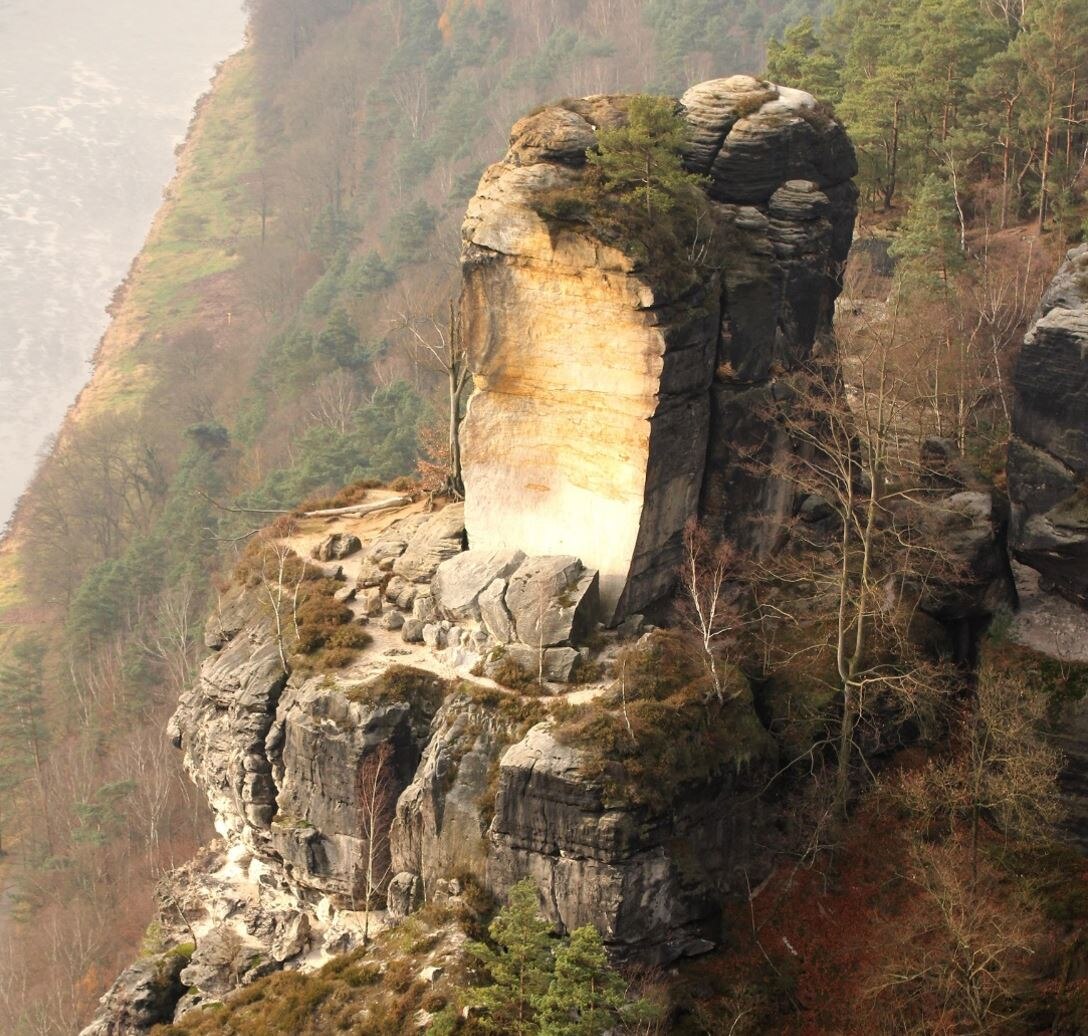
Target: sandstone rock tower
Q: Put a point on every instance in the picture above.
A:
(608, 406)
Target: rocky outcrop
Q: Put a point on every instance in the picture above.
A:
(532, 611)
(606, 458)
(442, 818)
(278, 758)
(321, 740)
(223, 720)
(145, 994)
(477, 790)
(1048, 452)
(653, 882)
(580, 477)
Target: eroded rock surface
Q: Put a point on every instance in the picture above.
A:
(652, 882)
(600, 389)
(1048, 453)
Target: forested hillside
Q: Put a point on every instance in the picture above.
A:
(268, 345)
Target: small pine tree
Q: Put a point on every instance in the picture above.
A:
(340, 340)
(586, 997)
(642, 160)
(799, 61)
(520, 964)
(928, 246)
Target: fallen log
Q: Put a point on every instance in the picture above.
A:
(357, 510)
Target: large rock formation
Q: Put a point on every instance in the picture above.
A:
(1048, 493)
(1048, 454)
(653, 881)
(612, 400)
(606, 389)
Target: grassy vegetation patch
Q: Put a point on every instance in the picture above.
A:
(660, 729)
(422, 690)
(515, 709)
(319, 632)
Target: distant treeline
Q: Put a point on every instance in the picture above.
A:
(989, 95)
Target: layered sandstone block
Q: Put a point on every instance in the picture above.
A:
(602, 386)
(1048, 452)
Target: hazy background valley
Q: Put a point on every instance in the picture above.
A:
(93, 100)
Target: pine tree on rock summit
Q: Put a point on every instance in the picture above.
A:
(642, 160)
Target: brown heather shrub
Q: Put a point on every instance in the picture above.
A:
(507, 673)
(330, 658)
(354, 637)
(319, 618)
(402, 683)
(660, 728)
(405, 484)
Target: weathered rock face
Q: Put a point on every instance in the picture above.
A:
(442, 817)
(971, 527)
(223, 720)
(596, 403)
(144, 995)
(652, 883)
(319, 744)
(1048, 453)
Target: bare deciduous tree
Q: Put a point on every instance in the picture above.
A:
(707, 604)
(445, 349)
(376, 799)
(849, 585)
(334, 401)
(1005, 771)
(962, 951)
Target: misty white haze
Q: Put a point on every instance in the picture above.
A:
(94, 98)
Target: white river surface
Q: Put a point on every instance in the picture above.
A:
(94, 97)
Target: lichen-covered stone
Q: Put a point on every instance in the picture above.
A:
(327, 738)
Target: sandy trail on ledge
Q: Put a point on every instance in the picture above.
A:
(388, 648)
